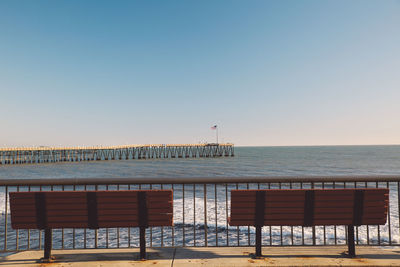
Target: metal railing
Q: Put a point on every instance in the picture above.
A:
(201, 209)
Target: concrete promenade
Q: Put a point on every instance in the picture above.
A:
(210, 256)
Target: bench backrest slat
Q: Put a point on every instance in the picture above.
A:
(66, 209)
(329, 207)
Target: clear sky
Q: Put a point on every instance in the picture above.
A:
(151, 72)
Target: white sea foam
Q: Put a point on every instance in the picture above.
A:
(2, 203)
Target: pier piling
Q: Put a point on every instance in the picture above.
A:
(76, 154)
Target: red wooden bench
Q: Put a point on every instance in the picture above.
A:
(91, 209)
(305, 207)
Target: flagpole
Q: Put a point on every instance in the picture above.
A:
(215, 127)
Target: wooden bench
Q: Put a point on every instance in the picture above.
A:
(304, 207)
(91, 209)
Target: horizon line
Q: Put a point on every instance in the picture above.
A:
(316, 145)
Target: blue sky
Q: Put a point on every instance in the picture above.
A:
(140, 72)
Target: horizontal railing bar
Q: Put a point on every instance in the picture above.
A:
(199, 180)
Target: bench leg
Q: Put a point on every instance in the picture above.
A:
(142, 243)
(47, 244)
(350, 241)
(258, 241)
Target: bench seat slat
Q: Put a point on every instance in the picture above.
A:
(156, 217)
(380, 209)
(270, 223)
(350, 198)
(132, 206)
(112, 224)
(151, 217)
(274, 210)
(325, 210)
(132, 212)
(113, 205)
(321, 222)
(16, 218)
(349, 204)
(376, 221)
(349, 191)
(21, 201)
(77, 194)
(299, 216)
(288, 216)
(22, 208)
(62, 219)
(291, 198)
(84, 218)
(324, 204)
(23, 220)
(130, 200)
(271, 192)
(67, 212)
(24, 225)
(269, 198)
(52, 206)
(159, 205)
(135, 224)
(347, 215)
(133, 193)
(318, 191)
(68, 201)
(82, 206)
(347, 212)
(72, 194)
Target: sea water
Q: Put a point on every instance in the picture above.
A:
(192, 230)
(248, 161)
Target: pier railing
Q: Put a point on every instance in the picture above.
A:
(201, 209)
(74, 154)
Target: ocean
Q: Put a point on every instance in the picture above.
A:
(189, 230)
(248, 161)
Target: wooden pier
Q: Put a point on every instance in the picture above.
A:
(74, 154)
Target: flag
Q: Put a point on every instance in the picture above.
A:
(214, 127)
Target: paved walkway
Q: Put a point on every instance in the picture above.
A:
(274, 256)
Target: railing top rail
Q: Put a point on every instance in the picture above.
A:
(199, 180)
